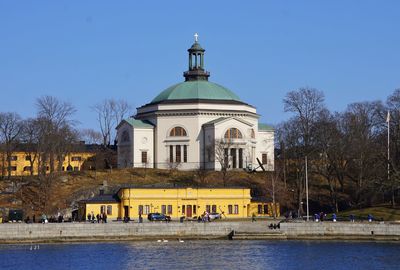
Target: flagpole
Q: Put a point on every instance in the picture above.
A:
(388, 146)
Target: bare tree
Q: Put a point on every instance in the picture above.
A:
(220, 151)
(91, 136)
(30, 140)
(109, 114)
(10, 129)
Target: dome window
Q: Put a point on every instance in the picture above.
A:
(233, 133)
(178, 132)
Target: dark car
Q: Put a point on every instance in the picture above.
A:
(158, 217)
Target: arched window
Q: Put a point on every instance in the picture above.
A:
(233, 133)
(178, 131)
(125, 136)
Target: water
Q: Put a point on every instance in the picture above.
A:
(212, 254)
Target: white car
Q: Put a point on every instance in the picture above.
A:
(214, 216)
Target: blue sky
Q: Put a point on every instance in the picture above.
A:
(86, 51)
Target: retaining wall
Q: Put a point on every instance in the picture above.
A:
(18, 232)
(341, 230)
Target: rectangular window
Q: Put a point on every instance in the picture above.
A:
(266, 209)
(259, 209)
(76, 168)
(28, 158)
(13, 158)
(183, 210)
(109, 209)
(230, 209)
(208, 208)
(185, 153)
(214, 208)
(102, 209)
(13, 168)
(240, 158)
(171, 153)
(264, 159)
(140, 209)
(226, 158)
(164, 209)
(27, 168)
(178, 153)
(236, 209)
(146, 209)
(169, 209)
(233, 155)
(76, 159)
(63, 168)
(144, 156)
(194, 209)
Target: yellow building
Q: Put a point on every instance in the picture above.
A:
(22, 163)
(174, 202)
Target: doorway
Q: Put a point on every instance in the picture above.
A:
(189, 211)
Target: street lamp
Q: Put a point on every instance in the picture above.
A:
(308, 212)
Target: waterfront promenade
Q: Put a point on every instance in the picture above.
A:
(113, 231)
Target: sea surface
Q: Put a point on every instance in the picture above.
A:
(203, 254)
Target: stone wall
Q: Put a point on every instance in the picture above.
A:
(295, 229)
(20, 232)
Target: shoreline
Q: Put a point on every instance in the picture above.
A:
(51, 233)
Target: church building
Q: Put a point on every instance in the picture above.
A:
(195, 124)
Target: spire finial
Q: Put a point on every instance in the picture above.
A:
(196, 37)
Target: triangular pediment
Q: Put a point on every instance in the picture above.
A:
(222, 120)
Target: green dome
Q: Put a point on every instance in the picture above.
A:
(196, 90)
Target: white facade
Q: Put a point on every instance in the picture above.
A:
(205, 126)
(195, 124)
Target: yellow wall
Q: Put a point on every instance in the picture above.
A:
(179, 198)
(96, 207)
(21, 163)
(254, 209)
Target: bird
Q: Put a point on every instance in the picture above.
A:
(165, 241)
(180, 241)
(158, 241)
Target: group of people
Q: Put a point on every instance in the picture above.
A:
(44, 219)
(100, 218)
(205, 217)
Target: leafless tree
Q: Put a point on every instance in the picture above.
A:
(30, 141)
(10, 129)
(109, 113)
(91, 136)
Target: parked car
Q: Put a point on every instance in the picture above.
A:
(158, 217)
(214, 216)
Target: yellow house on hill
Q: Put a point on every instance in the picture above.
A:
(176, 202)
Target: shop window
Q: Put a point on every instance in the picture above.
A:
(230, 209)
(109, 209)
(169, 209)
(178, 131)
(164, 209)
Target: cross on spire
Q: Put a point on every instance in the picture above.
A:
(196, 37)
